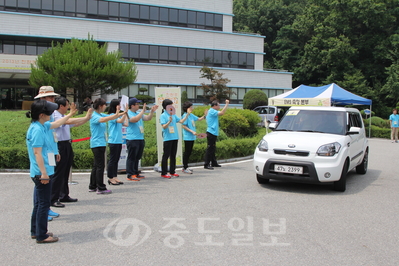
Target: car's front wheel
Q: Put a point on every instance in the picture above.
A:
(340, 185)
(362, 168)
(262, 180)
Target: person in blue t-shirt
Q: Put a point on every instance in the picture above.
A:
(189, 134)
(394, 120)
(212, 132)
(42, 162)
(98, 143)
(170, 139)
(135, 137)
(115, 142)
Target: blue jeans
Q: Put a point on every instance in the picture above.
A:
(41, 205)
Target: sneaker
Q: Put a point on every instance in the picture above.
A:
(132, 178)
(93, 190)
(53, 214)
(105, 191)
(49, 218)
(166, 176)
(140, 176)
(174, 175)
(187, 171)
(191, 170)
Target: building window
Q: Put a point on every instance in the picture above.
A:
(110, 10)
(186, 56)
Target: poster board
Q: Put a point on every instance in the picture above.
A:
(173, 94)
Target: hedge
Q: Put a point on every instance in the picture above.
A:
(17, 158)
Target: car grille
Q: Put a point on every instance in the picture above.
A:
(291, 152)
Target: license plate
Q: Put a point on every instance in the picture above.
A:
(288, 169)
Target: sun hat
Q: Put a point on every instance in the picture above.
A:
(45, 91)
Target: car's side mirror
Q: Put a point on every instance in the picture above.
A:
(272, 125)
(353, 131)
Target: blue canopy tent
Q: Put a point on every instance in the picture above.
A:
(327, 95)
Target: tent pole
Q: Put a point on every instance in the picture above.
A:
(370, 121)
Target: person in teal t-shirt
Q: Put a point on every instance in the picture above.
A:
(189, 134)
(114, 142)
(98, 143)
(394, 120)
(170, 139)
(42, 162)
(135, 137)
(212, 132)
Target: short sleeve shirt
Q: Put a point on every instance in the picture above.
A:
(135, 131)
(394, 119)
(98, 131)
(63, 132)
(114, 132)
(190, 123)
(51, 136)
(169, 133)
(212, 120)
(37, 137)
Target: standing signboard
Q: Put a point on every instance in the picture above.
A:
(173, 94)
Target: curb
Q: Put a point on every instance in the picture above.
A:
(143, 168)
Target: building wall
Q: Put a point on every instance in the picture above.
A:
(13, 24)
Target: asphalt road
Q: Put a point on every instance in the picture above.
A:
(220, 217)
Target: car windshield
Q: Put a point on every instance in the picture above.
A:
(332, 122)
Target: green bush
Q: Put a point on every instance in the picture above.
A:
(238, 122)
(377, 132)
(233, 124)
(14, 155)
(145, 98)
(83, 159)
(200, 110)
(254, 98)
(377, 121)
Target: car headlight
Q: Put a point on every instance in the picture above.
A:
(329, 149)
(262, 146)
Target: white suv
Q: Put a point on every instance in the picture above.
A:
(313, 145)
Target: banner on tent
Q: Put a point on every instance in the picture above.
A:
(300, 102)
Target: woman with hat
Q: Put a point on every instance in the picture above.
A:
(42, 162)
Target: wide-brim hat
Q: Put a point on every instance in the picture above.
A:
(45, 91)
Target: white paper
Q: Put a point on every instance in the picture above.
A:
(124, 101)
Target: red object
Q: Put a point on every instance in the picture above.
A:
(77, 140)
(276, 118)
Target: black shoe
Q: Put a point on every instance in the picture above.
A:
(58, 204)
(208, 167)
(216, 165)
(69, 200)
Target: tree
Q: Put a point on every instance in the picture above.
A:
(84, 66)
(254, 98)
(217, 88)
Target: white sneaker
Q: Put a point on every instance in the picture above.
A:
(187, 171)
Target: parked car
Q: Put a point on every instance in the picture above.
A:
(270, 113)
(313, 145)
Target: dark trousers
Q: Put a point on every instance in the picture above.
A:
(210, 156)
(169, 150)
(41, 205)
(188, 148)
(59, 183)
(135, 150)
(97, 173)
(114, 155)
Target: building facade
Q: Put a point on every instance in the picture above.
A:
(169, 41)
